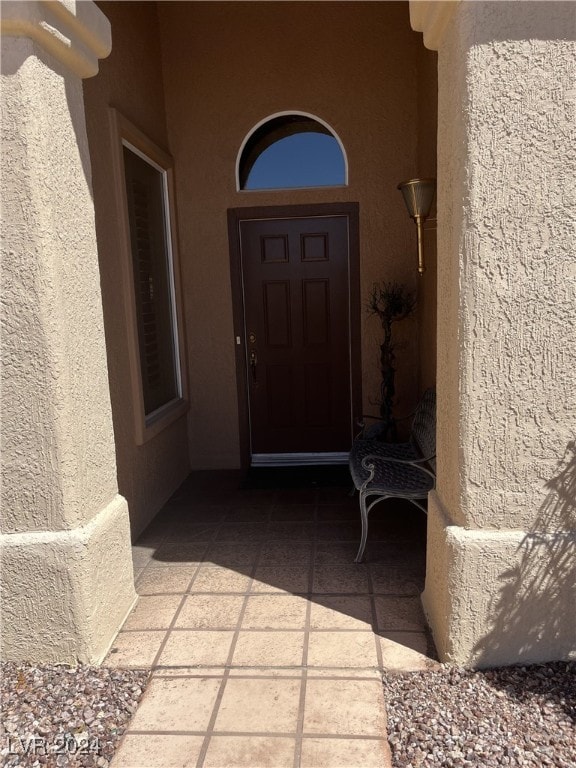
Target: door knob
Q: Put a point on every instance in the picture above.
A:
(253, 363)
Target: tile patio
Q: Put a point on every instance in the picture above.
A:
(266, 641)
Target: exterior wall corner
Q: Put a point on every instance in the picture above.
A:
(502, 521)
(66, 560)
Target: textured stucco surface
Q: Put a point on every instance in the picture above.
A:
(57, 442)
(515, 352)
(76, 34)
(450, 196)
(497, 597)
(65, 547)
(65, 594)
(427, 63)
(227, 66)
(506, 342)
(130, 80)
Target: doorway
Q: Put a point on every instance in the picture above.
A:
(295, 283)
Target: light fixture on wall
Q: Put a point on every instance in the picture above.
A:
(418, 196)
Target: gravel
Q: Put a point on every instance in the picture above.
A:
(441, 718)
(56, 716)
(511, 716)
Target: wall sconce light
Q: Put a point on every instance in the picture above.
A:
(418, 196)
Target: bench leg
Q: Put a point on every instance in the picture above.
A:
(364, 536)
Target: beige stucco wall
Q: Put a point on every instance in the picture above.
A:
(66, 574)
(227, 66)
(130, 80)
(427, 63)
(502, 523)
(49, 435)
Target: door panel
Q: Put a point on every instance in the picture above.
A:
(296, 296)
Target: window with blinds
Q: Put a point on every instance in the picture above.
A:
(153, 281)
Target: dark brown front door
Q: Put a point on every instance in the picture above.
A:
(297, 341)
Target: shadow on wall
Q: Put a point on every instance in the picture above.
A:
(534, 615)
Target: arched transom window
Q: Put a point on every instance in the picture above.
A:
(291, 150)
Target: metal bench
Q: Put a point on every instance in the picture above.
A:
(395, 470)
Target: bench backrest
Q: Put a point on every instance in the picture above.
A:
(423, 432)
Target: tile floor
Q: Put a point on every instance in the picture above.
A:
(265, 639)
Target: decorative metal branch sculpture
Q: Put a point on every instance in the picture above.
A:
(391, 302)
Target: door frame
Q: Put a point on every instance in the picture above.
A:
(235, 217)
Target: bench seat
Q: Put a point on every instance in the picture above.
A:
(382, 470)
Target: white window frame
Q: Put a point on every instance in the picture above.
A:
(288, 113)
(125, 134)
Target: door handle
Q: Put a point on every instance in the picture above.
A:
(253, 363)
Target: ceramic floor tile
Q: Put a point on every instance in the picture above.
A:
(250, 752)
(406, 651)
(280, 579)
(245, 513)
(220, 580)
(155, 533)
(336, 552)
(158, 751)
(341, 612)
(192, 532)
(291, 531)
(220, 537)
(138, 568)
(338, 531)
(255, 496)
(134, 649)
(341, 513)
(227, 555)
(242, 532)
(182, 553)
(295, 513)
(153, 612)
(341, 674)
(210, 612)
(190, 648)
(180, 704)
(344, 650)
(403, 554)
(339, 494)
(297, 496)
(195, 512)
(275, 612)
(141, 556)
(397, 580)
(265, 672)
(400, 613)
(165, 580)
(340, 578)
(274, 649)
(189, 671)
(278, 552)
(259, 705)
(136, 571)
(345, 753)
(344, 708)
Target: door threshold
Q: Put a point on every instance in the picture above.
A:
(298, 459)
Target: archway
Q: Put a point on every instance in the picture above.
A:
(289, 150)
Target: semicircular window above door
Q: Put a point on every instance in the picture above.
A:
(291, 151)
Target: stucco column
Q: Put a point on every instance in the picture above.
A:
(67, 580)
(500, 584)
